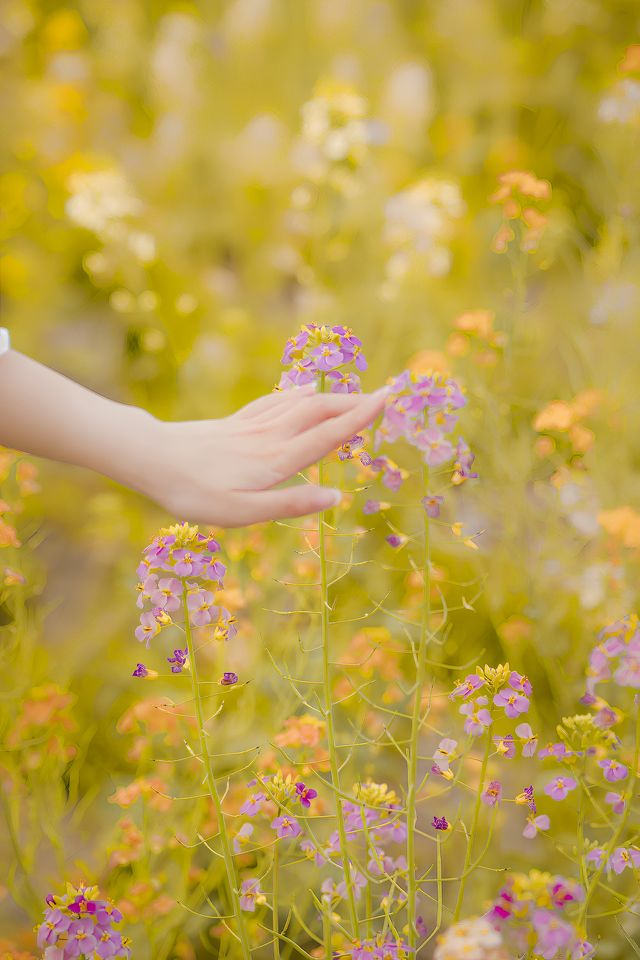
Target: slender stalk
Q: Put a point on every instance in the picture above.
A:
(34, 901)
(328, 709)
(414, 739)
(275, 896)
(474, 825)
(227, 852)
(617, 833)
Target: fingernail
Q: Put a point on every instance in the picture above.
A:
(382, 392)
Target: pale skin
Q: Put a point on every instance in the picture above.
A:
(224, 472)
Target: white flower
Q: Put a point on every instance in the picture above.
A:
(473, 939)
(623, 103)
(419, 221)
(100, 198)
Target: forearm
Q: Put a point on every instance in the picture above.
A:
(46, 414)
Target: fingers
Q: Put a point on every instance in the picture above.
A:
(305, 412)
(296, 501)
(272, 401)
(311, 446)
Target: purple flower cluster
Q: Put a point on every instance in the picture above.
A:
(422, 409)
(616, 656)
(79, 924)
(513, 699)
(375, 827)
(181, 563)
(381, 947)
(322, 351)
(531, 911)
(621, 859)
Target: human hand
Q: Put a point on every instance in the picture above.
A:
(225, 472)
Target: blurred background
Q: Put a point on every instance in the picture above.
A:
(184, 185)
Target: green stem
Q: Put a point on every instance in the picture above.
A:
(227, 851)
(617, 833)
(34, 904)
(276, 896)
(414, 740)
(474, 825)
(328, 709)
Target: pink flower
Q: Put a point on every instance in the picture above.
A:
(168, 594)
(445, 753)
(188, 563)
(520, 683)
(560, 787)
(242, 837)
(253, 804)
(251, 895)
(148, 628)
(505, 746)
(327, 356)
(478, 717)
(613, 770)
(623, 858)
(432, 504)
(201, 609)
(529, 738)
(616, 801)
(466, 687)
(492, 795)
(286, 827)
(534, 824)
(514, 703)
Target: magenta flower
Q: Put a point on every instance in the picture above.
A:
(492, 794)
(534, 824)
(440, 823)
(560, 788)
(613, 770)
(394, 540)
(505, 746)
(179, 660)
(478, 717)
(520, 683)
(140, 671)
(305, 794)
(432, 504)
(371, 506)
(514, 703)
(616, 801)
(286, 827)
(251, 895)
(228, 679)
(80, 925)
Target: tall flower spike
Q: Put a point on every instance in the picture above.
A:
(422, 409)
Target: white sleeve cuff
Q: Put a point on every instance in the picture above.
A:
(5, 343)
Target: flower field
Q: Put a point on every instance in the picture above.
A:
(410, 725)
